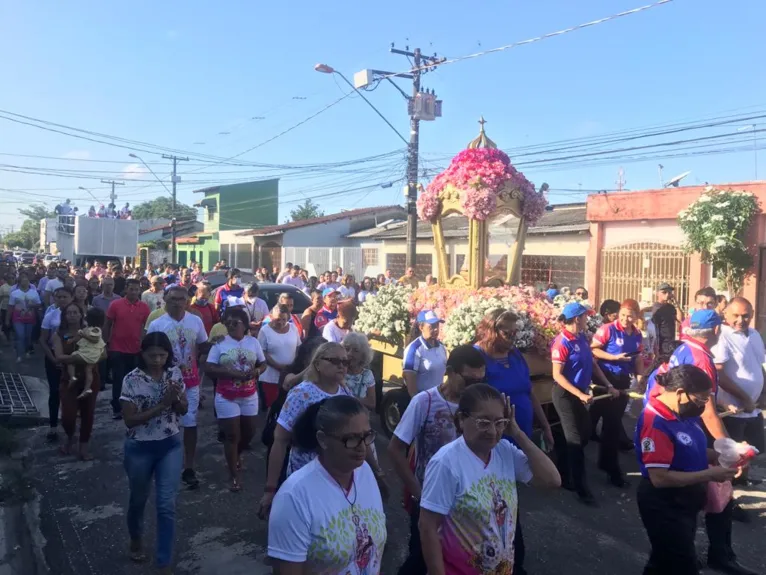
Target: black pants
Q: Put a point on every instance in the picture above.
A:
(718, 528)
(669, 516)
(612, 411)
(575, 423)
(122, 364)
(53, 375)
(416, 565)
(748, 429)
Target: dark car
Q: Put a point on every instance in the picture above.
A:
(27, 258)
(268, 291)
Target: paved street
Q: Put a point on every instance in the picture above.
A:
(82, 514)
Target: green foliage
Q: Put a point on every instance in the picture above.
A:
(716, 227)
(156, 244)
(162, 208)
(28, 236)
(306, 211)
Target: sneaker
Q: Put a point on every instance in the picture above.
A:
(190, 478)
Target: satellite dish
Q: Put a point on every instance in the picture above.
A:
(673, 182)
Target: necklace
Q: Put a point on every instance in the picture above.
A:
(346, 494)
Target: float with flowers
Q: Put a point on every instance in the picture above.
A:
(482, 185)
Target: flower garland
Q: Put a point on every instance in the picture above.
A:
(386, 314)
(480, 175)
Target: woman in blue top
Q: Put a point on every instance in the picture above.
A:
(573, 369)
(617, 347)
(507, 372)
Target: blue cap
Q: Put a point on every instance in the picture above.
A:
(704, 319)
(573, 310)
(328, 291)
(428, 316)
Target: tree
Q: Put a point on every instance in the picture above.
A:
(306, 211)
(162, 208)
(716, 227)
(28, 236)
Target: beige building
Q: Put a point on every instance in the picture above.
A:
(555, 249)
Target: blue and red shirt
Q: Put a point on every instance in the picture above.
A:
(690, 352)
(323, 317)
(226, 296)
(613, 338)
(574, 354)
(664, 440)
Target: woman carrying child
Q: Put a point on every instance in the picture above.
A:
(90, 349)
(72, 401)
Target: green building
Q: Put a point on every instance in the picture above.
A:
(227, 208)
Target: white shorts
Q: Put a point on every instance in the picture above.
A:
(192, 396)
(228, 408)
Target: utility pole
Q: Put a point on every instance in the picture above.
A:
(620, 179)
(416, 112)
(113, 196)
(175, 179)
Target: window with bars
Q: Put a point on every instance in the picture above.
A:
(561, 270)
(244, 255)
(369, 257)
(397, 263)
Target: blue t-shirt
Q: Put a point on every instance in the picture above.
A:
(574, 354)
(511, 377)
(613, 339)
(664, 440)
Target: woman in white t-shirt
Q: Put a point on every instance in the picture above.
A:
(324, 378)
(328, 516)
(236, 362)
(468, 508)
(279, 340)
(341, 326)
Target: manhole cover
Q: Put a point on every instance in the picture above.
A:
(15, 400)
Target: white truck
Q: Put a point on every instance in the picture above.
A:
(81, 237)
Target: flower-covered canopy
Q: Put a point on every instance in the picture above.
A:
(478, 177)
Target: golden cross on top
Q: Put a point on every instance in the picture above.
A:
(482, 121)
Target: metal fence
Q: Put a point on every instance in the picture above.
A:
(319, 260)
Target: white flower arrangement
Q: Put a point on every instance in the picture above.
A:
(386, 315)
(461, 325)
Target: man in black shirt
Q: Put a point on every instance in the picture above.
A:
(666, 318)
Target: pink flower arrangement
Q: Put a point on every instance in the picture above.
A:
(538, 308)
(481, 174)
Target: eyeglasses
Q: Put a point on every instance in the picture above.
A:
(354, 441)
(485, 424)
(336, 361)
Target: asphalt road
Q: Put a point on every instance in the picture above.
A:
(83, 522)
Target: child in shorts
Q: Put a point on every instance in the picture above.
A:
(90, 347)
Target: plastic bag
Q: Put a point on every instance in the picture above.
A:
(718, 496)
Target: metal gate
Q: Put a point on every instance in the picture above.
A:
(634, 271)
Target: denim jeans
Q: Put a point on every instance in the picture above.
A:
(23, 337)
(162, 459)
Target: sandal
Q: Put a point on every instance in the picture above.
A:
(235, 487)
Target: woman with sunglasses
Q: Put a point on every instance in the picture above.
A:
(328, 516)
(323, 378)
(573, 369)
(235, 363)
(468, 510)
(675, 467)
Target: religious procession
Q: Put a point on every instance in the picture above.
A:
(488, 388)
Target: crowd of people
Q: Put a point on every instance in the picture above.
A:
(472, 431)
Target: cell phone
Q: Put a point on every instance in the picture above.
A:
(632, 353)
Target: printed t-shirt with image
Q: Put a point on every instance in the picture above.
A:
(22, 304)
(185, 336)
(312, 521)
(429, 421)
(242, 355)
(140, 389)
(298, 400)
(480, 505)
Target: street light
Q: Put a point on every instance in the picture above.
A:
(84, 189)
(140, 159)
(325, 69)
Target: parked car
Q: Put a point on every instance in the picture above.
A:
(50, 258)
(268, 291)
(27, 258)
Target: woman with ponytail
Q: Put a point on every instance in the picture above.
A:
(328, 516)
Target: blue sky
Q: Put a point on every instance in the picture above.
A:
(178, 73)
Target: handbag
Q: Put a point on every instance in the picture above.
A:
(718, 496)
